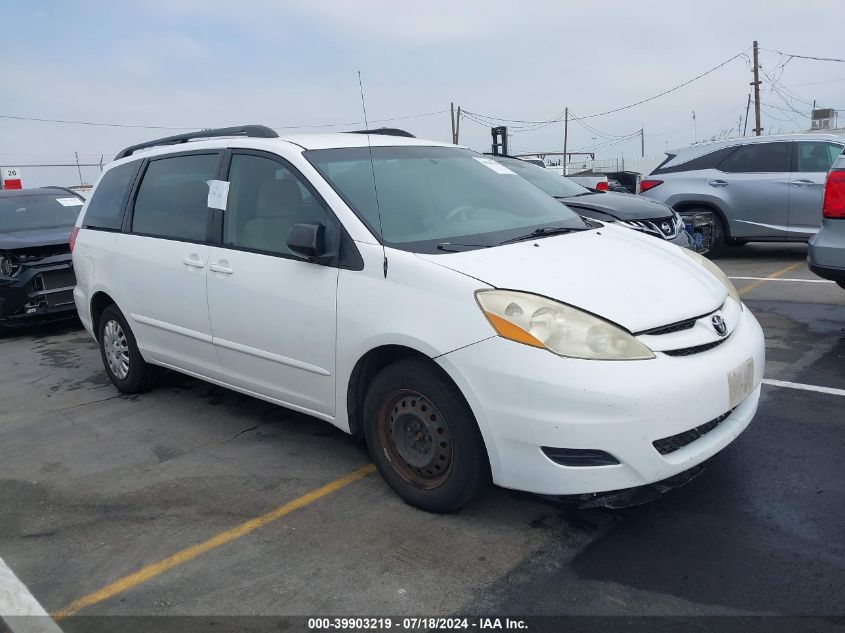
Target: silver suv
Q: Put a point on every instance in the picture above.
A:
(766, 188)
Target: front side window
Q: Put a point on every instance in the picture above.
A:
(34, 212)
(172, 200)
(758, 158)
(432, 199)
(815, 156)
(105, 210)
(265, 200)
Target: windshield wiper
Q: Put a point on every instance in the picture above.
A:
(542, 231)
(445, 246)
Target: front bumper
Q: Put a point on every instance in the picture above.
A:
(526, 398)
(40, 291)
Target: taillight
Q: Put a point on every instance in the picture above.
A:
(645, 185)
(73, 233)
(601, 186)
(834, 195)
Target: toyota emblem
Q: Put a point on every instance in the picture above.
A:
(719, 325)
(666, 228)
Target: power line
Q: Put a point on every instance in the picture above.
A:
(167, 127)
(792, 55)
(557, 117)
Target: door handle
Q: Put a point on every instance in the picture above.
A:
(718, 183)
(218, 268)
(193, 262)
(803, 182)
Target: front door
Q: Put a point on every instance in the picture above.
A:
(273, 314)
(754, 184)
(810, 163)
(163, 262)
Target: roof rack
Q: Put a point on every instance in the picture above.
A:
(255, 131)
(385, 131)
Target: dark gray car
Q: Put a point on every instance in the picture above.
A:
(634, 212)
(826, 255)
(765, 188)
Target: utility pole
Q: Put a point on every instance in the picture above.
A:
(694, 128)
(458, 126)
(758, 129)
(642, 143)
(565, 135)
(747, 108)
(452, 118)
(78, 168)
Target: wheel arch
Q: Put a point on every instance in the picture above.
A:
(688, 205)
(99, 302)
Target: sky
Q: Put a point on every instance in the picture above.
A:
(203, 63)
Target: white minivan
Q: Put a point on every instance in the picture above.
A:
(422, 296)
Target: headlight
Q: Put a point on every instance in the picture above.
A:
(717, 272)
(559, 328)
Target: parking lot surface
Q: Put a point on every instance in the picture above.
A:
(192, 499)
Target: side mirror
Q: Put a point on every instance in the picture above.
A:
(307, 239)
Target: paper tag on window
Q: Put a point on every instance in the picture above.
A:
(218, 194)
(495, 166)
(69, 202)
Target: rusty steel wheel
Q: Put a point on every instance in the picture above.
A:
(416, 439)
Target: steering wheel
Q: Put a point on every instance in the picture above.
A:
(464, 210)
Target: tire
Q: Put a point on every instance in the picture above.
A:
(126, 368)
(423, 437)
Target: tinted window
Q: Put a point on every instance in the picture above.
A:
(758, 157)
(105, 211)
(26, 212)
(430, 197)
(265, 200)
(708, 161)
(172, 200)
(815, 156)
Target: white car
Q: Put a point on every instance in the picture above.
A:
(422, 296)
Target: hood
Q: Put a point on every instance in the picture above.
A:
(631, 279)
(622, 206)
(34, 237)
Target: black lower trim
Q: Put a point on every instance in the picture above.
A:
(828, 272)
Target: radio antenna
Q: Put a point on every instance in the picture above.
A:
(373, 172)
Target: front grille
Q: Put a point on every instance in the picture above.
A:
(689, 351)
(676, 442)
(54, 279)
(61, 298)
(666, 228)
(680, 326)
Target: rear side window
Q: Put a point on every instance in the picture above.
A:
(758, 158)
(815, 156)
(172, 200)
(708, 161)
(105, 210)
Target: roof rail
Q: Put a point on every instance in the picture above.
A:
(385, 131)
(255, 131)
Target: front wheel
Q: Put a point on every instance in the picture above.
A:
(423, 437)
(127, 369)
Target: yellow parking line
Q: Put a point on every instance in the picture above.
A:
(774, 275)
(151, 571)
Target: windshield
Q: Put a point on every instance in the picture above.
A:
(550, 182)
(26, 213)
(431, 196)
